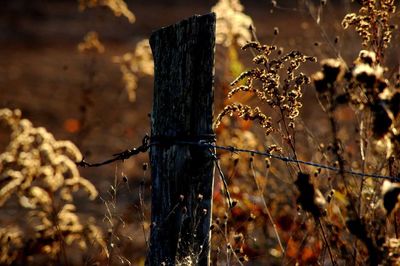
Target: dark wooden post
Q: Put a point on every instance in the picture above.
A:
(182, 174)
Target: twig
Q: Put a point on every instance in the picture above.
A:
(326, 240)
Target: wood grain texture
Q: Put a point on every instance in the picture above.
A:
(182, 175)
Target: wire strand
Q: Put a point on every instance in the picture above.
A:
(286, 159)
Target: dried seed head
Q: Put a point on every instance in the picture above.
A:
(366, 57)
(367, 75)
(333, 69)
(390, 194)
(320, 83)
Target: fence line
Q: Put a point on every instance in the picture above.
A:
(210, 145)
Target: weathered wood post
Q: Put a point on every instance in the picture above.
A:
(182, 174)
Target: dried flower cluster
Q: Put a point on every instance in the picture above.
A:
(233, 26)
(372, 24)
(41, 173)
(119, 7)
(276, 93)
(247, 113)
(91, 43)
(135, 64)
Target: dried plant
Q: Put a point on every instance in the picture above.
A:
(280, 90)
(91, 43)
(119, 7)
(364, 86)
(372, 23)
(40, 172)
(232, 24)
(134, 65)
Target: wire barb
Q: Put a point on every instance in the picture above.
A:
(122, 156)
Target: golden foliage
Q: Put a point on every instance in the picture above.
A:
(119, 7)
(41, 173)
(233, 26)
(135, 64)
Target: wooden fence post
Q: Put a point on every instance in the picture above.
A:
(182, 175)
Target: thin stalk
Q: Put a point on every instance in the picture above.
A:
(266, 208)
(326, 241)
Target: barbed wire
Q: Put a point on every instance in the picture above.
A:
(121, 156)
(293, 160)
(210, 144)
